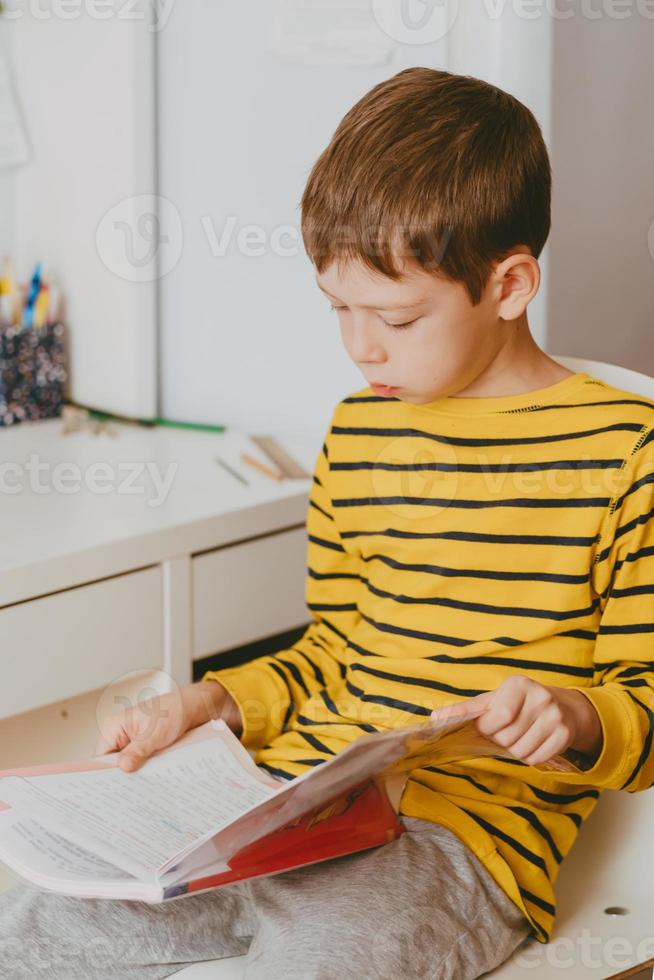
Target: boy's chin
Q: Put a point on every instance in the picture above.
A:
(421, 399)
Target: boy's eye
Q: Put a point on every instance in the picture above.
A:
(398, 326)
(392, 326)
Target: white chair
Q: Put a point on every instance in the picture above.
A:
(613, 374)
(610, 867)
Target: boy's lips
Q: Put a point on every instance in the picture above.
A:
(385, 390)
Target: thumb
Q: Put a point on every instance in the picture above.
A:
(112, 738)
(468, 706)
(134, 755)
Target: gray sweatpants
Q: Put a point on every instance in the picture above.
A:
(421, 907)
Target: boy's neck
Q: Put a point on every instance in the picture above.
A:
(518, 367)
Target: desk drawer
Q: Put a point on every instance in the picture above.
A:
(248, 591)
(75, 641)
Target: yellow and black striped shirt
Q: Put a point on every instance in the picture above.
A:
(451, 545)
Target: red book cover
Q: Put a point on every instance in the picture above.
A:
(358, 820)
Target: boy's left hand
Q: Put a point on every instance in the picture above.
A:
(535, 722)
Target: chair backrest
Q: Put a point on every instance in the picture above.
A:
(613, 374)
(611, 865)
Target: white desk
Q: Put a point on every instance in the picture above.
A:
(94, 585)
(138, 551)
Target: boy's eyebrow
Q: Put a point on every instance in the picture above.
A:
(387, 306)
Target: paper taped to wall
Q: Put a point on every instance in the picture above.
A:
(14, 148)
(328, 32)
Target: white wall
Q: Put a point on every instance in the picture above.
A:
(249, 340)
(86, 90)
(589, 81)
(602, 267)
(246, 339)
(515, 54)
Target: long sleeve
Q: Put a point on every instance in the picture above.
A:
(623, 577)
(271, 690)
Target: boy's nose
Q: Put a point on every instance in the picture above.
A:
(365, 347)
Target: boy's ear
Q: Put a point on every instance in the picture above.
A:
(517, 280)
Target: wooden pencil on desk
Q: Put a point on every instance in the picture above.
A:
(251, 461)
(228, 469)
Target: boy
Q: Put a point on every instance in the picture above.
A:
(480, 526)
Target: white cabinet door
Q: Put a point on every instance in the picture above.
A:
(248, 591)
(78, 640)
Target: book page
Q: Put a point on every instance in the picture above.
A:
(208, 789)
(389, 752)
(141, 820)
(362, 759)
(29, 845)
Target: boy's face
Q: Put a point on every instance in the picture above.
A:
(447, 344)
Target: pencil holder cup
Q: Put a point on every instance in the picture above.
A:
(32, 373)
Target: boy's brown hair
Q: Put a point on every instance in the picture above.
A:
(445, 170)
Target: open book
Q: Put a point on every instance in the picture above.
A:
(200, 814)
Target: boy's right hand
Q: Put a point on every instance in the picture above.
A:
(144, 728)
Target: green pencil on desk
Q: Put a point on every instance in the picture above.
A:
(196, 426)
(169, 423)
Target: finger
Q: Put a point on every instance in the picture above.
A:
(112, 737)
(530, 739)
(133, 757)
(447, 711)
(468, 706)
(504, 710)
(103, 745)
(130, 761)
(554, 745)
(507, 704)
(532, 722)
(141, 746)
